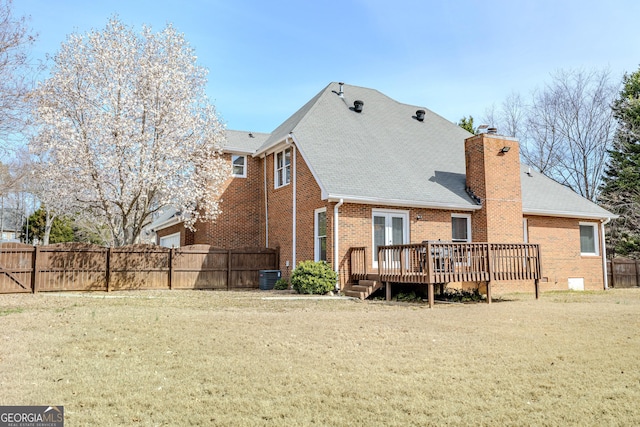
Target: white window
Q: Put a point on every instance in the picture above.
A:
(588, 238)
(320, 234)
(239, 166)
(283, 168)
(170, 241)
(461, 228)
(525, 230)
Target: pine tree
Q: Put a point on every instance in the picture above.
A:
(620, 190)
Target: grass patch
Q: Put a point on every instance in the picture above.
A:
(8, 311)
(234, 358)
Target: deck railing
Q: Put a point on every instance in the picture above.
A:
(358, 263)
(458, 262)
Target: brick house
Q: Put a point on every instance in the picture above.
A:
(355, 168)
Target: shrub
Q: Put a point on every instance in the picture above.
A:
(281, 285)
(460, 295)
(313, 278)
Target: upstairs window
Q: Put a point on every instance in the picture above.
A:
(239, 164)
(283, 168)
(588, 238)
(461, 228)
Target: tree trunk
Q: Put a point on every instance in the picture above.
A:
(48, 223)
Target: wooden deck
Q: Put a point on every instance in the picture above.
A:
(433, 263)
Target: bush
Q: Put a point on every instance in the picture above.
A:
(313, 278)
(281, 285)
(460, 295)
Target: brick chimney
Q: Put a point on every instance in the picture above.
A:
(493, 175)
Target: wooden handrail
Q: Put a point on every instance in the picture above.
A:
(440, 262)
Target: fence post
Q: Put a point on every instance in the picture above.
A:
(637, 273)
(108, 272)
(171, 256)
(34, 272)
(613, 272)
(229, 270)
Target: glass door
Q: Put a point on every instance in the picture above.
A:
(389, 228)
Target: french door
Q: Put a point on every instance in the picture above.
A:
(389, 228)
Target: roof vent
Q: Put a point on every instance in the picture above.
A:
(492, 131)
(357, 106)
(420, 115)
(251, 135)
(340, 91)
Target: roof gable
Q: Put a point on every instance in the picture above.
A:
(384, 155)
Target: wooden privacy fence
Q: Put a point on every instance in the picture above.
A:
(83, 267)
(623, 273)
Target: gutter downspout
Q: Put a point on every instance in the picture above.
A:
(266, 204)
(294, 202)
(604, 255)
(336, 241)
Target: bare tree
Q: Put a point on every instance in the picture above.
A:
(567, 128)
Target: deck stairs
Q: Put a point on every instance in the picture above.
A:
(363, 289)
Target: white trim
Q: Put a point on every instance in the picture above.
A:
(234, 150)
(166, 224)
(316, 236)
(604, 255)
(336, 240)
(594, 229)
(323, 192)
(402, 203)
(468, 218)
(266, 204)
(275, 167)
(566, 214)
(170, 236)
(525, 230)
(294, 203)
(244, 167)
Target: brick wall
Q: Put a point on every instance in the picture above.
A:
(494, 176)
(239, 225)
(280, 203)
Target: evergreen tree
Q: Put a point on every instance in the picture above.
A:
(467, 124)
(620, 191)
(61, 229)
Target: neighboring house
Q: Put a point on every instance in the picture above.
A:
(355, 168)
(10, 224)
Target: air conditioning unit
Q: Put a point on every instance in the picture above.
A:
(268, 279)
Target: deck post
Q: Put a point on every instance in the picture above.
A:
(387, 289)
(490, 267)
(537, 284)
(430, 295)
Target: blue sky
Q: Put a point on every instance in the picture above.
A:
(267, 58)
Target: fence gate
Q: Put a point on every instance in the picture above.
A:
(16, 267)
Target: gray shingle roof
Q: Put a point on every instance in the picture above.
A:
(542, 195)
(384, 154)
(244, 142)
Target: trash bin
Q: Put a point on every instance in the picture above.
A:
(268, 279)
